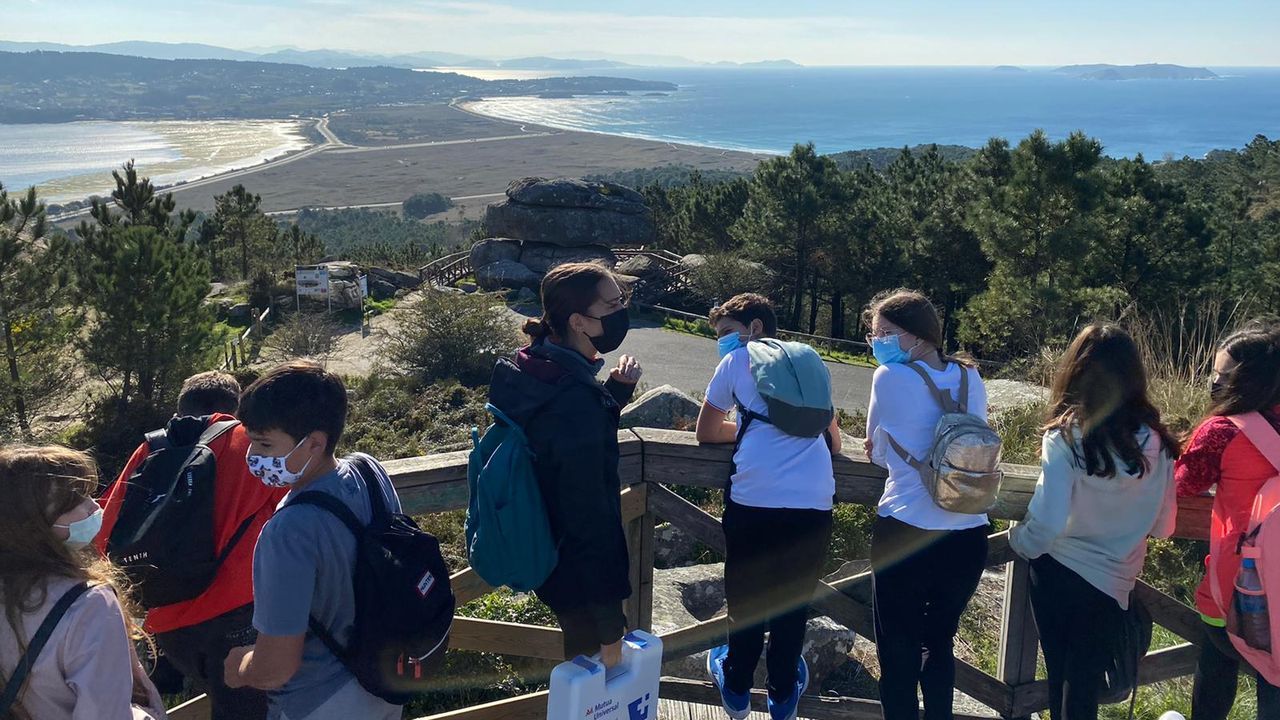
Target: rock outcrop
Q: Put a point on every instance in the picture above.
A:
(662, 407)
(571, 212)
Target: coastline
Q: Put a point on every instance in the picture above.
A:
(198, 148)
(470, 105)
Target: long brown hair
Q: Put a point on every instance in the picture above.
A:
(1254, 383)
(912, 311)
(566, 289)
(1100, 389)
(39, 484)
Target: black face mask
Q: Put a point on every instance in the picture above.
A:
(615, 324)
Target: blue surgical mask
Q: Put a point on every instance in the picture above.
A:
(83, 531)
(887, 349)
(729, 343)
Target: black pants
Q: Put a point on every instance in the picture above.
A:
(923, 580)
(199, 651)
(772, 563)
(587, 629)
(1076, 622)
(1217, 673)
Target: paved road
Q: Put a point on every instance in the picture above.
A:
(687, 361)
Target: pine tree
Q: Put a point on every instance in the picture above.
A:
(35, 328)
(150, 325)
(234, 218)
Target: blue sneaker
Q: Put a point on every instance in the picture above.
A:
(737, 705)
(786, 710)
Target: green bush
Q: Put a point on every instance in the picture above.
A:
(452, 335)
(423, 204)
(395, 417)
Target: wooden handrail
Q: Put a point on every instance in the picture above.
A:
(651, 460)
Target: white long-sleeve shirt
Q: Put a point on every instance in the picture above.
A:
(1095, 526)
(902, 407)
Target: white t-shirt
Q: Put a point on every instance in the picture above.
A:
(774, 469)
(903, 407)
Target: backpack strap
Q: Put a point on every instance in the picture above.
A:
(216, 430)
(1261, 434)
(333, 506)
(948, 403)
(28, 659)
(919, 465)
(372, 480)
(338, 509)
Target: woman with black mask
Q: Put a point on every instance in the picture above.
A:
(571, 421)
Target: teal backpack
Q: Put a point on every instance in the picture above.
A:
(508, 535)
(795, 385)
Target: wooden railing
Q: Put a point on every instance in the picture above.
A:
(653, 460)
(238, 352)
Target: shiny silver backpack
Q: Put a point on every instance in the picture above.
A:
(962, 471)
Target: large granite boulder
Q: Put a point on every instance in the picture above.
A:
(576, 193)
(571, 212)
(395, 278)
(507, 274)
(641, 266)
(688, 595)
(673, 547)
(664, 407)
(541, 257)
(1003, 395)
(495, 249)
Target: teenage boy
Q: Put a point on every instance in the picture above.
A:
(777, 520)
(196, 634)
(305, 558)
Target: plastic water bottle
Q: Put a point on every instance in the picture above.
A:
(1255, 622)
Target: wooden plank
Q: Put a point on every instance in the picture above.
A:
(704, 527)
(676, 458)
(1161, 665)
(1167, 612)
(645, 589)
(811, 706)
(468, 586)
(694, 638)
(1019, 637)
(506, 638)
(524, 707)
(635, 505)
(197, 708)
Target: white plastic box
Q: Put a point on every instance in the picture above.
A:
(582, 690)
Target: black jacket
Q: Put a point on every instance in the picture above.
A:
(571, 421)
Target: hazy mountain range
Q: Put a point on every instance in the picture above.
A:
(342, 59)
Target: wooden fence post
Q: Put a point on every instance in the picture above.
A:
(640, 546)
(1019, 639)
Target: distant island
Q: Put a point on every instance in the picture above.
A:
(40, 87)
(1008, 69)
(1149, 71)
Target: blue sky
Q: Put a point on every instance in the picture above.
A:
(817, 32)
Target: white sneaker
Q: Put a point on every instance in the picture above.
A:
(1172, 715)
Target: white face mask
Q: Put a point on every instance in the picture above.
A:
(82, 531)
(271, 469)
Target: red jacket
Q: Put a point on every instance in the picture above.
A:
(1219, 454)
(237, 496)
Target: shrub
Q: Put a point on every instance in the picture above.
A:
(423, 204)
(452, 335)
(395, 417)
(304, 334)
(723, 276)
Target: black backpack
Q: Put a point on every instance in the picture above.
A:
(163, 539)
(404, 602)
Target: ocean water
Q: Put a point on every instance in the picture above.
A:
(73, 160)
(769, 110)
